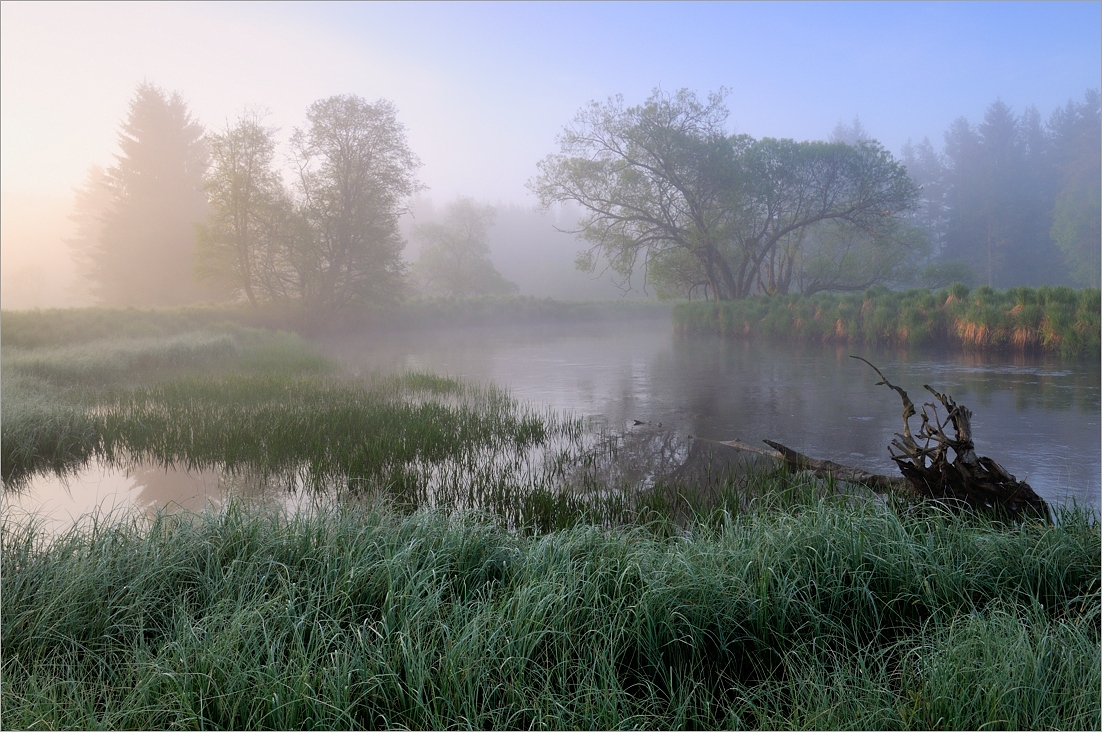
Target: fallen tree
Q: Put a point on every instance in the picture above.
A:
(928, 473)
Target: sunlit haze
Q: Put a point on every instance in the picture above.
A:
(483, 89)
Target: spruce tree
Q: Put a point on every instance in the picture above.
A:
(145, 251)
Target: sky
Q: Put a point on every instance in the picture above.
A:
(483, 89)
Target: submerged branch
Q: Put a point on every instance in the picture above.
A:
(797, 461)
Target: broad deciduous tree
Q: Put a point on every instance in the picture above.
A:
(332, 240)
(239, 243)
(354, 175)
(663, 185)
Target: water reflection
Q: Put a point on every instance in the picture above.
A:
(1037, 416)
(97, 489)
(56, 502)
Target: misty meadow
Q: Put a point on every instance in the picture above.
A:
(731, 431)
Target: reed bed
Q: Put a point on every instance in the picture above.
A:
(418, 438)
(52, 396)
(1057, 320)
(826, 615)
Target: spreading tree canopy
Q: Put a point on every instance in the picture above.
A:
(241, 242)
(331, 240)
(664, 186)
(354, 176)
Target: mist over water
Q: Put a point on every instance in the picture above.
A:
(1037, 417)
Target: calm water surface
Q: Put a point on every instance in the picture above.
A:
(1038, 417)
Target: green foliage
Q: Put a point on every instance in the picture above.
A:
(445, 577)
(455, 261)
(330, 244)
(248, 241)
(1076, 231)
(55, 397)
(1017, 198)
(663, 184)
(1056, 320)
(823, 615)
(355, 173)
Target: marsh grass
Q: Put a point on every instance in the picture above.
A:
(52, 395)
(826, 615)
(1057, 320)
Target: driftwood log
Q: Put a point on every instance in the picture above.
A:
(923, 458)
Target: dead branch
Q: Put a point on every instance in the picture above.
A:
(923, 458)
(978, 482)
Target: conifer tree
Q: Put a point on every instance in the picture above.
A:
(140, 250)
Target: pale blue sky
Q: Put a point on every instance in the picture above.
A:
(484, 88)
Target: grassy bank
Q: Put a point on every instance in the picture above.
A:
(39, 328)
(825, 615)
(1056, 320)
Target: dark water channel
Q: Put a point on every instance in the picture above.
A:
(1037, 416)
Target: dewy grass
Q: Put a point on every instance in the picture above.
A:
(51, 395)
(823, 616)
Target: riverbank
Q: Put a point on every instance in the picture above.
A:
(472, 561)
(823, 615)
(1056, 320)
(36, 328)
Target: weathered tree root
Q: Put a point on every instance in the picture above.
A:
(969, 480)
(979, 482)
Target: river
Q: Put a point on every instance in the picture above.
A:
(1037, 416)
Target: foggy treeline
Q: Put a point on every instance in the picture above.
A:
(665, 189)
(1016, 197)
(336, 218)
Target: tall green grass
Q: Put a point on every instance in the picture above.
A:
(52, 396)
(825, 615)
(1056, 320)
(418, 438)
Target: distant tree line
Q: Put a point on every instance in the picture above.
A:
(184, 216)
(455, 259)
(664, 191)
